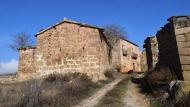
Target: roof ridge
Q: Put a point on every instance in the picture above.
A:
(129, 41)
(69, 21)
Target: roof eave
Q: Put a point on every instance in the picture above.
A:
(129, 41)
(69, 21)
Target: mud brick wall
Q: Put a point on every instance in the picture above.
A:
(72, 48)
(174, 46)
(151, 48)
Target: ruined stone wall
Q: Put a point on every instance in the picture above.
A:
(182, 34)
(144, 66)
(151, 47)
(72, 48)
(27, 64)
(168, 53)
(174, 46)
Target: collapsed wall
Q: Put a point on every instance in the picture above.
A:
(151, 48)
(174, 46)
(182, 32)
(144, 66)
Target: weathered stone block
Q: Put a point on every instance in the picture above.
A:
(180, 38)
(183, 44)
(186, 67)
(184, 51)
(188, 36)
(185, 59)
(186, 75)
(182, 30)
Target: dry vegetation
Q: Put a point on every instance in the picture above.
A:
(158, 80)
(155, 86)
(114, 97)
(52, 91)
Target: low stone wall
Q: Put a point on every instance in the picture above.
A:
(27, 60)
(8, 78)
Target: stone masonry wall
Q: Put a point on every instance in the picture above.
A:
(182, 34)
(174, 46)
(143, 58)
(116, 55)
(128, 62)
(151, 47)
(122, 56)
(26, 62)
(168, 53)
(72, 48)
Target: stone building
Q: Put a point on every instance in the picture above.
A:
(126, 56)
(67, 46)
(174, 46)
(151, 48)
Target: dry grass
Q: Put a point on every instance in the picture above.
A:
(52, 91)
(155, 85)
(184, 102)
(114, 97)
(159, 78)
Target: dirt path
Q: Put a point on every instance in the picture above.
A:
(134, 98)
(94, 99)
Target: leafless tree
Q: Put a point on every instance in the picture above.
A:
(21, 40)
(113, 32)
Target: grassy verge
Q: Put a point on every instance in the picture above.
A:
(154, 102)
(135, 75)
(114, 97)
(53, 91)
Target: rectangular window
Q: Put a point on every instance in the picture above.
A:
(124, 50)
(134, 55)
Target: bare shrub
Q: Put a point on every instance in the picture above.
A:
(21, 40)
(161, 76)
(54, 91)
(156, 81)
(109, 73)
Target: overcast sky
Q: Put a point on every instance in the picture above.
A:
(140, 18)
